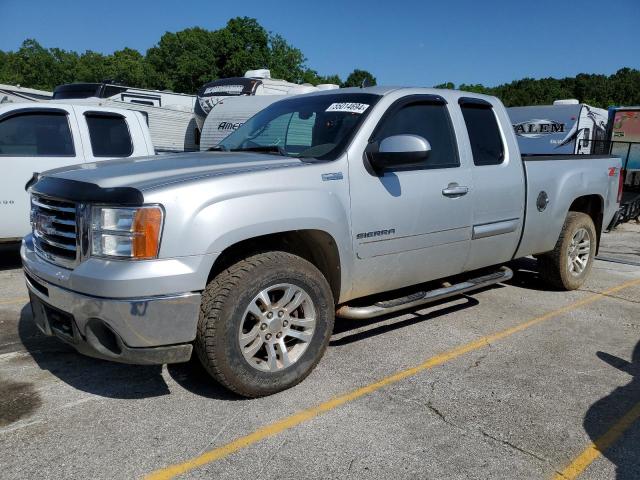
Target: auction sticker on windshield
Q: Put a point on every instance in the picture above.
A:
(348, 107)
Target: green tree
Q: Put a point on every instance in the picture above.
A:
(31, 66)
(129, 67)
(312, 77)
(184, 60)
(243, 44)
(92, 67)
(335, 79)
(285, 61)
(477, 88)
(625, 85)
(356, 78)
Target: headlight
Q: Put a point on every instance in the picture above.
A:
(126, 232)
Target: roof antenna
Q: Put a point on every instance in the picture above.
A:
(365, 83)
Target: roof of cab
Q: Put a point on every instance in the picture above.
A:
(385, 90)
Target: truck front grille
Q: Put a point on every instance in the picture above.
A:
(55, 230)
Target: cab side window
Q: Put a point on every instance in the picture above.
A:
(109, 135)
(36, 134)
(484, 134)
(430, 121)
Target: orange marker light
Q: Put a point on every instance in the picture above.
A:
(147, 226)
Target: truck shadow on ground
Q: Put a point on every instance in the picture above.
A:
(10, 256)
(111, 379)
(350, 331)
(624, 453)
(526, 275)
(115, 380)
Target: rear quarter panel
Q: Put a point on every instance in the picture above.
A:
(564, 180)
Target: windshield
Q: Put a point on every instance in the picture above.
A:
(313, 126)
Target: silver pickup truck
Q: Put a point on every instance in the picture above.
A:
(351, 203)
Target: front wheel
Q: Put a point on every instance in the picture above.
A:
(569, 264)
(264, 324)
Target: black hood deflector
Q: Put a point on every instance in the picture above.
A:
(84, 192)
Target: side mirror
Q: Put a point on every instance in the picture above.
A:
(398, 151)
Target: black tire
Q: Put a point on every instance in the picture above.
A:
(554, 266)
(221, 315)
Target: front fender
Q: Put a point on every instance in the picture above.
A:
(220, 225)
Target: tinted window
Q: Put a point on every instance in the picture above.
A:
(36, 134)
(429, 121)
(484, 135)
(292, 132)
(109, 136)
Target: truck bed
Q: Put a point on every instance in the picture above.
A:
(542, 158)
(559, 177)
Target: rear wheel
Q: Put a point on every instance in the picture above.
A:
(569, 264)
(265, 322)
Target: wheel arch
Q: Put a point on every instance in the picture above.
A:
(316, 246)
(592, 205)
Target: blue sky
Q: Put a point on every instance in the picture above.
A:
(400, 42)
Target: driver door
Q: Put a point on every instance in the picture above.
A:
(407, 227)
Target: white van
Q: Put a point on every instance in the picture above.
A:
(35, 137)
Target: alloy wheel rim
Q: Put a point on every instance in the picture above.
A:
(277, 327)
(579, 252)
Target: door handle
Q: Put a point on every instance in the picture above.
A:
(455, 190)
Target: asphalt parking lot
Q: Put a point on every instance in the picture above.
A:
(515, 381)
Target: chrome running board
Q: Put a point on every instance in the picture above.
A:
(423, 297)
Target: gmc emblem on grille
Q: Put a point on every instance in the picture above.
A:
(43, 223)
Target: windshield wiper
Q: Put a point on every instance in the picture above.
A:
(262, 149)
(217, 148)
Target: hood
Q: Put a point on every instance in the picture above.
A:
(145, 173)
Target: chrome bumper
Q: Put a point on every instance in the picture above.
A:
(146, 330)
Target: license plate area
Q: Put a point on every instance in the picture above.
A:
(60, 323)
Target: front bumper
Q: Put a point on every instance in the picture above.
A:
(142, 330)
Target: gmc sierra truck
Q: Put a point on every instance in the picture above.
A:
(355, 203)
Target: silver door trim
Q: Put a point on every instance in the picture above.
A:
(495, 228)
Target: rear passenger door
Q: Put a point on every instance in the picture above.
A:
(32, 139)
(409, 224)
(499, 185)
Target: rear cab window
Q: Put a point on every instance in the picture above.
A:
(427, 118)
(484, 133)
(109, 134)
(36, 134)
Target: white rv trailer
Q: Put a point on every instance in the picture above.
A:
(225, 104)
(16, 93)
(169, 115)
(229, 114)
(566, 127)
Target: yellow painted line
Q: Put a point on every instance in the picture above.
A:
(310, 413)
(14, 301)
(595, 449)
